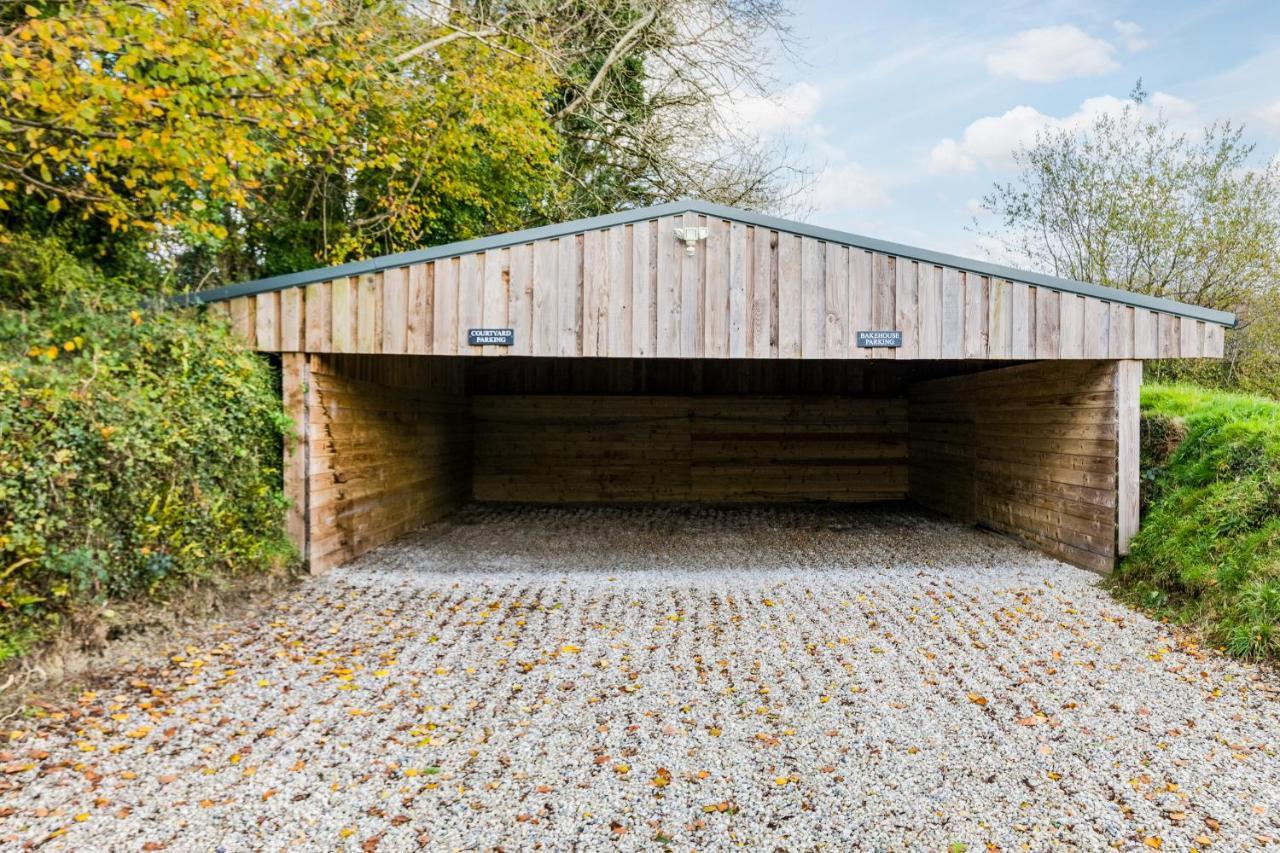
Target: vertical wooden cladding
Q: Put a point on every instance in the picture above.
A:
(633, 291)
(1046, 451)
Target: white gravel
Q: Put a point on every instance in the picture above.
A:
(713, 678)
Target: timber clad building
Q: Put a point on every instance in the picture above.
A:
(693, 352)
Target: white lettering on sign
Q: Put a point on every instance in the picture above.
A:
(490, 337)
(883, 338)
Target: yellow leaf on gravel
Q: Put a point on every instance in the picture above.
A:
(781, 780)
(346, 832)
(977, 699)
(570, 649)
(382, 673)
(82, 817)
(1153, 842)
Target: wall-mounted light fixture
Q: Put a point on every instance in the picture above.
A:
(690, 236)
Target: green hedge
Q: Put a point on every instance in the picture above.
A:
(1208, 551)
(139, 454)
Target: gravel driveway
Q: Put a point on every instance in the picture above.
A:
(776, 678)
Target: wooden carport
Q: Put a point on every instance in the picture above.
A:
(691, 351)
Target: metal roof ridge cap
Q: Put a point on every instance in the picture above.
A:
(697, 205)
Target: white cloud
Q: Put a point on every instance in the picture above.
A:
(1048, 54)
(1130, 35)
(992, 140)
(948, 158)
(1270, 116)
(1171, 105)
(788, 110)
(848, 186)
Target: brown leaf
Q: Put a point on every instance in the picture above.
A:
(167, 778)
(978, 699)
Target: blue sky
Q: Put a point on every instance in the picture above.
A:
(907, 112)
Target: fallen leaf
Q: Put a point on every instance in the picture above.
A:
(1153, 842)
(977, 699)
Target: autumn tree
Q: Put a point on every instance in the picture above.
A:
(228, 139)
(1131, 203)
(643, 95)
(253, 136)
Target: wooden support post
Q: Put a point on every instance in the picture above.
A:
(296, 381)
(1128, 388)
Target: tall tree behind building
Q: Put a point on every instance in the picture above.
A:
(1131, 203)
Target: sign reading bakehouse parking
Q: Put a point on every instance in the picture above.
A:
(490, 337)
(880, 339)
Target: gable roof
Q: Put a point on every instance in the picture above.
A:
(746, 217)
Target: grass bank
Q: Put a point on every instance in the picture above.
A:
(1208, 553)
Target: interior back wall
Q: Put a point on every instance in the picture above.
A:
(615, 448)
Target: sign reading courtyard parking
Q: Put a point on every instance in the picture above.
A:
(880, 339)
(490, 337)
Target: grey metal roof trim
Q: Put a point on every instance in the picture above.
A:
(623, 217)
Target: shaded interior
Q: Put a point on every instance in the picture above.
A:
(395, 442)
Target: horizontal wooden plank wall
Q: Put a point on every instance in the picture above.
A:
(389, 450)
(1029, 450)
(631, 292)
(587, 448)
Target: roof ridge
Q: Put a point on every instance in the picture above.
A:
(697, 205)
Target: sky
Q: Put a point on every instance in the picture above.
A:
(907, 112)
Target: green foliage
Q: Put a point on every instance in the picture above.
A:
(139, 453)
(1131, 203)
(1208, 552)
(252, 136)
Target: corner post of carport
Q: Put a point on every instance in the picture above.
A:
(295, 391)
(1128, 385)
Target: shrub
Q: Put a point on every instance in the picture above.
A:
(1208, 551)
(139, 454)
